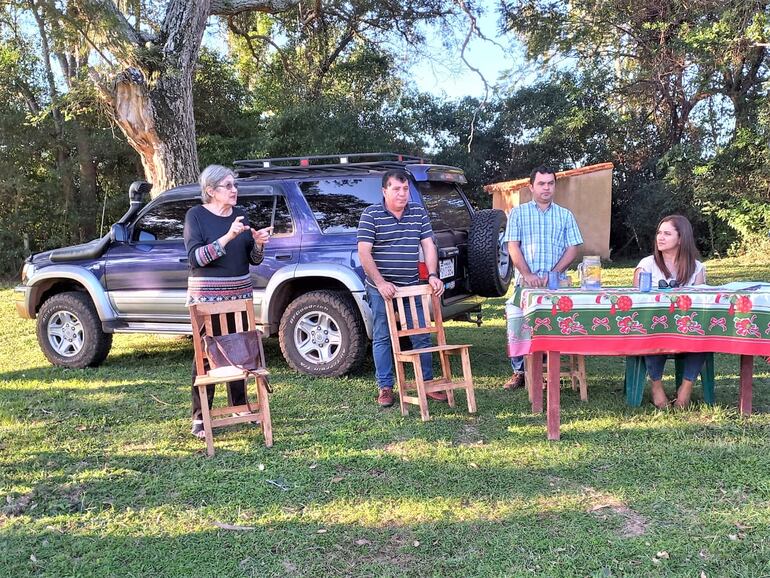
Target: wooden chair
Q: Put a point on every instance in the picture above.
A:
(202, 316)
(575, 372)
(404, 321)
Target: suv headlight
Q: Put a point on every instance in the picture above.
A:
(26, 272)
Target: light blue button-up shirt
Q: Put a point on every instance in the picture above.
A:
(544, 236)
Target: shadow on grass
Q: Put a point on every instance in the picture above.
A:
(122, 460)
(525, 543)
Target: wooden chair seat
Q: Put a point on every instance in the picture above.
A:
(403, 320)
(229, 314)
(235, 374)
(406, 355)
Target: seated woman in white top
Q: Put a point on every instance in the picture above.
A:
(673, 263)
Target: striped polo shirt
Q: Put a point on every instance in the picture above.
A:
(543, 235)
(395, 242)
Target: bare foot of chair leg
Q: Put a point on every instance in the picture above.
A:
(659, 398)
(683, 394)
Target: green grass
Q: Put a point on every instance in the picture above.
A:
(99, 475)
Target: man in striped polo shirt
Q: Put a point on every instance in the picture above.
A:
(390, 235)
(542, 237)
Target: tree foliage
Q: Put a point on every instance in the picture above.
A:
(669, 65)
(675, 95)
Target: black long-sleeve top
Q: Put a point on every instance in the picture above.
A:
(218, 273)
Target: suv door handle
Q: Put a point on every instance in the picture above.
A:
(183, 259)
(282, 256)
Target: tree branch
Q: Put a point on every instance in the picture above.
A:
(288, 68)
(113, 30)
(29, 97)
(233, 7)
(473, 29)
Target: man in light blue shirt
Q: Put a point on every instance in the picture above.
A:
(542, 237)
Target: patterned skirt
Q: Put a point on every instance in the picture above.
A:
(212, 289)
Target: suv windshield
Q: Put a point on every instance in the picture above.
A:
(446, 206)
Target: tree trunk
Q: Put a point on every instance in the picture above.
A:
(87, 202)
(159, 124)
(151, 99)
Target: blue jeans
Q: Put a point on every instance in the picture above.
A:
(693, 362)
(382, 350)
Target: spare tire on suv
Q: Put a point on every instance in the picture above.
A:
(489, 263)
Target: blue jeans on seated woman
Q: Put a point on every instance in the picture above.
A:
(693, 362)
(382, 350)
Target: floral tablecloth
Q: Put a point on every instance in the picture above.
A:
(625, 321)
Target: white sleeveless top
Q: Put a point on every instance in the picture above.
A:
(648, 264)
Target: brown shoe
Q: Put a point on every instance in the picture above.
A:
(516, 381)
(437, 395)
(386, 399)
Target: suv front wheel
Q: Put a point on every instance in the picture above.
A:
(69, 331)
(322, 333)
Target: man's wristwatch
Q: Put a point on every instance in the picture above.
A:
(432, 275)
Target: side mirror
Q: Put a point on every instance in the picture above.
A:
(138, 190)
(118, 233)
(145, 236)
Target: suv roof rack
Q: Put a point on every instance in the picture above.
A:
(325, 163)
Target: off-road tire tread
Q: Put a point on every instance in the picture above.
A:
(482, 254)
(97, 343)
(349, 320)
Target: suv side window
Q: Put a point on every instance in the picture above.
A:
(163, 222)
(260, 210)
(338, 203)
(445, 205)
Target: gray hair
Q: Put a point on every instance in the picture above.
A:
(211, 176)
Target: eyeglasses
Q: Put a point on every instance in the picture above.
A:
(228, 186)
(663, 284)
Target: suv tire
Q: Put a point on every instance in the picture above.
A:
(322, 333)
(70, 333)
(489, 263)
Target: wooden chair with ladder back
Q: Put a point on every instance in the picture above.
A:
(230, 317)
(575, 372)
(404, 320)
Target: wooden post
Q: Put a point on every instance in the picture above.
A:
(747, 377)
(553, 414)
(536, 383)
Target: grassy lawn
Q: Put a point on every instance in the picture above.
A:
(100, 477)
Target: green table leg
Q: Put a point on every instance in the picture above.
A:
(636, 378)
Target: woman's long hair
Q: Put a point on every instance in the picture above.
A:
(685, 255)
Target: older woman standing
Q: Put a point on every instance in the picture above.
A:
(220, 246)
(673, 263)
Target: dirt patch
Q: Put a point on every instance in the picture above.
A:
(391, 555)
(380, 474)
(396, 448)
(634, 524)
(392, 552)
(469, 436)
(74, 495)
(17, 506)
(606, 507)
